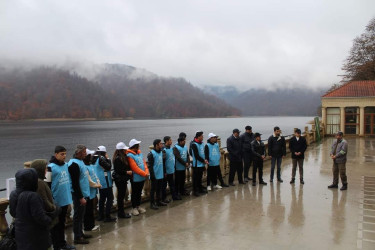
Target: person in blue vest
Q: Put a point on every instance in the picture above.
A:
(89, 218)
(59, 180)
(140, 173)
(212, 154)
(156, 166)
(199, 163)
(80, 192)
(103, 167)
(170, 162)
(181, 155)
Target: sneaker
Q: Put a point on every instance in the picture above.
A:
(280, 180)
(141, 210)
(246, 180)
(344, 187)
(66, 246)
(292, 181)
(161, 204)
(209, 188)
(333, 186)
(110, 219)
(124, 216)
(263, 183)
(153, 206)
(224, 185)
(135, 212)
(92, 229)
(217, 187)
(302, 181)
(81, 241)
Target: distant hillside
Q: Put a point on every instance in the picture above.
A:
(260, 102)
(116, 91)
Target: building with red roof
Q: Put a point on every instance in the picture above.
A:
(350, 108)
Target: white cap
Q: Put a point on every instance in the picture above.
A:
(210, 135)
(102, 149)
(89, 152)
(121, 145)
(133, 142)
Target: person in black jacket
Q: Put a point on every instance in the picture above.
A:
(26, 206)
(246, 139)
(234, 148)
(121, 175)
(297, 146)
(277, 151)
(259, 154)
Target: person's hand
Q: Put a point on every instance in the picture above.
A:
(333, 156)
(205, 161)
(82, 201)
(263, 157)
(99, 185)
(187, 164)
(129, 172)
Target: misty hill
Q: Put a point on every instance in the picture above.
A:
(262, 102)
(115, 91)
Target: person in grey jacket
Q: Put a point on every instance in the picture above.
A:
(338, 154)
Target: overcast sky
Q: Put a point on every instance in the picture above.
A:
(243, 43)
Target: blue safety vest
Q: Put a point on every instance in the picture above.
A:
(138, 158)
(61, 184)
(184, 155)
(103, 175)
(83, 177)
(197, 163)
(158, 164)
(214, 154)
(170, 160)
(93, 190)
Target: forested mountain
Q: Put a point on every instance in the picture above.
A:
(116, 91)
(262, 102)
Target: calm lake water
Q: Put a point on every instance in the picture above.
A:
(24, 141)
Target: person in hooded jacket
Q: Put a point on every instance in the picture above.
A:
(58, 179)
(26, 206)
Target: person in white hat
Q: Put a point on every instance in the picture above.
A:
(140, 173)
(103, 168)
(212, 155)
(121, 175)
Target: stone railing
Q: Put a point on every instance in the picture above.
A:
(310, 136)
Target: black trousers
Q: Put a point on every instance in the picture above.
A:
(79, 213)
(233, 168)
(106, 197)
(258, 166)
(197, 178)
(121, 192)
(156, 186)
(58, 231)
(136, 197)
(180, 176)
(89, 219)
(247, 160)
(169, 179)
(212, 173)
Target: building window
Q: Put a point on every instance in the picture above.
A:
(370, 120)
(352, 120)
(333, 120)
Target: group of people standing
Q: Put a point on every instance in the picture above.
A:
(45, 191)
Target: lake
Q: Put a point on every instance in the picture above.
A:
(24, 141)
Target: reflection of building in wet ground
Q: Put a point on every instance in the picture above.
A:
(247, 217)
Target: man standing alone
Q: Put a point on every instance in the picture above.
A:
(277, 150)
(338, 155)
(297, 146)
(246, 139)
(234, 148)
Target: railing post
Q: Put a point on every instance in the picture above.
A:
(3, 221)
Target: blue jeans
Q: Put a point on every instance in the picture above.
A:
(273, 161)
(79, 213)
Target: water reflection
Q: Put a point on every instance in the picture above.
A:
(256, 195)
(296, 214)
(338, 215)
(276, 210)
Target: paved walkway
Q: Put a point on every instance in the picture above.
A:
(276, 216)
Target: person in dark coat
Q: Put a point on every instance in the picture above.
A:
(246, 139)
(259, 154)
(297, 146)
(26, 206)
(234, 148)
(277, 151)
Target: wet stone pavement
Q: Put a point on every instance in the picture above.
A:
(276, 216)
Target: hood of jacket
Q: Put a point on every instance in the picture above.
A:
(40, 166)
(26, 180)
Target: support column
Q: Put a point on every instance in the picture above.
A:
(324, 116)
(361, 121)
(342, 119)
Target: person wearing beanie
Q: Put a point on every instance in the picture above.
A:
(102, 165)
(80, 192)
(199, 163)
(140, 173)
(157, 170)
(297, 146)
(59, 180)
(181, 154)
